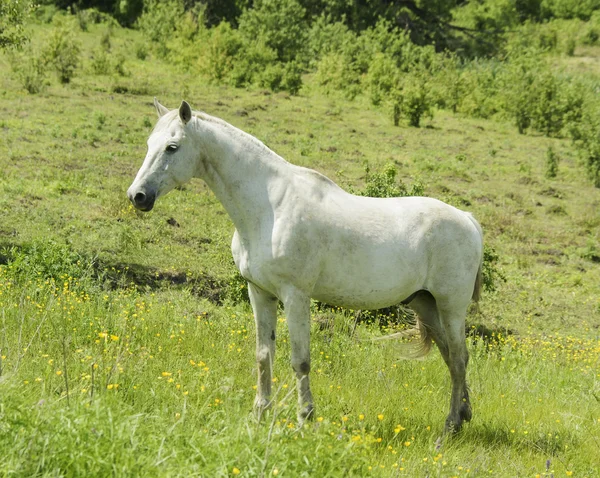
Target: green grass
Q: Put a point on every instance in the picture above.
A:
(130, 311)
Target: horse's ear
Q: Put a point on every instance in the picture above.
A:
(160, 109)
(185, 112)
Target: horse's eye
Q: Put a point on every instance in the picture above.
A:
(172, 148)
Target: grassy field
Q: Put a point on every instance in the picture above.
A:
(125, 353)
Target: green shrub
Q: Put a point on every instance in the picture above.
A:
(490, 272)
(279, 24)
(29, 68)
(292, 77)
(13, 15)
(591, 35)
(338, 73)
(254, 61)
(328, 37)
(382, 78)
(587, 139)
(101, 62)
(141, 51)
(551, 163)
(412, 98)
(582, 9)
(447, 82)
(220, 51)
(159, 21)
(539, 98)
(481, 89)
(62, 50)
(385, 184)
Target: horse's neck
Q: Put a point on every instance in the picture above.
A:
(241, 171)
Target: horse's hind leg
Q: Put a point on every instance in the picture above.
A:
(426, 308)
(452, 317)
(264, 306)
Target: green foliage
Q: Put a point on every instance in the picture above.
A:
(279, 24)
(338, 73)
(221, 48)
(13, 14)
(62, 50)
(382, 78)
(582, 9)
(481, 86)
(490, 272)
(327, 37)
(46, 260)
(236, 291)
(538, 98)
(255, 63)
(412, 98)
(385, 185)
(105, 63)
(29, 68)
(587, 139)
(159, 21)
(551, 163)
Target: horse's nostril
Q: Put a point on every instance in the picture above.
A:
(139, 198)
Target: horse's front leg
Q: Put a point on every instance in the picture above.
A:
(264, 306)
(297, 309)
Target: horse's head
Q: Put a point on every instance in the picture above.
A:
(171, 157)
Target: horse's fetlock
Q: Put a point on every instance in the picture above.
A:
(301, 368)
(263, 355)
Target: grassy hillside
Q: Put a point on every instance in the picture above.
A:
(124, 353)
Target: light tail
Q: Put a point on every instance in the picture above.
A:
(415, 349)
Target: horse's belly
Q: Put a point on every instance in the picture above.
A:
(368, 286)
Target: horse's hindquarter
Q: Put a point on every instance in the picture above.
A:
(382, 250)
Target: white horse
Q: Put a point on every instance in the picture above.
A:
(299, 236)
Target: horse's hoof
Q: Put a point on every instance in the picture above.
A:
(453, 425)
(306, 413)
(261, 405)
(465, 412)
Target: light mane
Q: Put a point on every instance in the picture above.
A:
(236, 132)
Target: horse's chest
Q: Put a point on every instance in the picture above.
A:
(268, 264)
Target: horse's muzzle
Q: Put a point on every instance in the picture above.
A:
(144, 201)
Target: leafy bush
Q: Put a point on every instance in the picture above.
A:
(587, 139)
(12, 16)
(159, 21)
(412, 98)
(382, 78)
(253, 62)
(551, 163)
(537, 97)
(62, 50)
(279, 24)
(385, 184)
(481, 89)
(582, 9)
(338, 73)
(490, 272)
(103, 63)
(221, 48)
(328, 37)
(29, 68)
